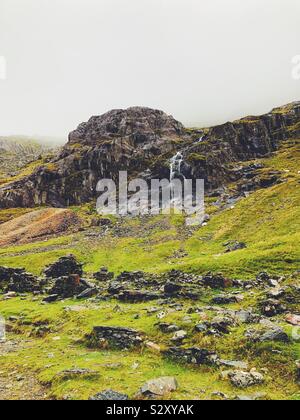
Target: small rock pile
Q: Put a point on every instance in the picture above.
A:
(115, 338)
(216, 281)
(103, 275)
(18, 280)
(192, 355)
(69, 286)
(64, 267)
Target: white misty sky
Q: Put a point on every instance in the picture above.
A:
(203, 61)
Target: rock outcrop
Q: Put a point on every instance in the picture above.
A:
(142, 141)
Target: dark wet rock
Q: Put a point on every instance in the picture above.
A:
(114, 337)
(69, 286)
(276, 294)
(232, 246)
(51, 298)
(267, 279)
(268, 334)
(168, 328)
(6, 273)
(241, 379)
(103, 275)
(217, 281)
(172, 289)
(88, 293)
(65, 266)
(18, 280)
(109, 395)
(115, 288)
(193, 355)
(158, 387)
(271, 308)
(136, 296)
(222, 324)
(225, 299)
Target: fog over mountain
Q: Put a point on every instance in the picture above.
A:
(205, 62)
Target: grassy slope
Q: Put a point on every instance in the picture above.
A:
(268, 221)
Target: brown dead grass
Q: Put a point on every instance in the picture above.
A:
(37, 225)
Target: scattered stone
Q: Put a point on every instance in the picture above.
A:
(293, 319)
(272, 307)
(103, 275)
(136, 296)
(65, 266)
(254, 397)
(158, 387)
(109, 395)
(168, 328)
(267, 279)
(273, 334)
(88, 293)
(69, 286)
(217, 281)
(192, 355)
(18, 280)
(232, 246)
(241, 379)
(219, 394)
(114, 337)
(10, 295)
(201, 328)
(226, 299)
(179, 336)
(222, 324)
(153, 346)
(276, 293)
(247, 317)
(172, 289)
(51, 299)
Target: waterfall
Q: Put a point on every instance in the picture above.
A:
(175, 165)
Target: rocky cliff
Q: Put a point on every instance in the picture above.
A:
(142, 141)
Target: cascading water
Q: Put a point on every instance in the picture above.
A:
(175, 172)
(175, 166)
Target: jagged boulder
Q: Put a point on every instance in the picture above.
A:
(217, 281)
(18, 280)
(135, 296)
(114, 337)
(65, 266)
(193, 355)
(241, 379)
(69, 286)
(103, 275)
